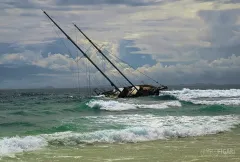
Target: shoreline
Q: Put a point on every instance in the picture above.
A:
(214, 148)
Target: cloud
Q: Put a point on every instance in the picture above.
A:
(55, 68)
(185, 41)
(219, 71)
(220, 1)
(9, 48)
(9, 71)
(223, 27)
(58, 62)
(110, 2)
(20, 4)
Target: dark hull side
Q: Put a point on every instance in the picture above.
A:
(143, 90)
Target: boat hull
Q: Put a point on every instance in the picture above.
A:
(139, 91)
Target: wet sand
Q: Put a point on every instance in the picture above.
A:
(212, 148)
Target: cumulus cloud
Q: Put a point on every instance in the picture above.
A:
(52, 61)
(187, 41)
(222, 71)
(223, 27)
(111, 2)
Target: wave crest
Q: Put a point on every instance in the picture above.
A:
(137, 128)
(9, 146)
(207, 97)
(121, 106)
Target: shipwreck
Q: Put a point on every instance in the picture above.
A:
(117, 92)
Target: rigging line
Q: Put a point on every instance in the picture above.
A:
(104, 55)
(78, 71)
(115, 77)
(62, 41)
(103, 64)
(125, 63)
(88, 80)
(133, 67)
(136, 69)
(102, 61)
(122, 84)
(130, 70)
(78, 59)
(70, 39)
(113, 74)
(127, 69)
(91, 77)
(94, 81)
(69, 52)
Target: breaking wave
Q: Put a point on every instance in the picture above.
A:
(196, 93)
(121, 106)
(9, 146)
(137, 128)
(219, 102)
(207, 97)
(165, 97)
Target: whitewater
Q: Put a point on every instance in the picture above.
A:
(32, 121)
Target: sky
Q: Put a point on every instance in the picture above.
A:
(172, 41)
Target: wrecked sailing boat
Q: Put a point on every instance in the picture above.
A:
(129, 91)
(142, 90)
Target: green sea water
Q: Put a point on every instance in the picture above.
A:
(68, 125)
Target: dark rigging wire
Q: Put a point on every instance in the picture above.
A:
(132, 67)
(76, 61)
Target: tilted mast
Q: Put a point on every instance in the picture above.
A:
(82, 51)
(100, 51)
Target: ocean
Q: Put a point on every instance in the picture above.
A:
(67, 125)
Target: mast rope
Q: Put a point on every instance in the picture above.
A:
(62, 41)
(77, 62)
(114, 58)
(132, 67)
(115, 73)
(69, 52)
(105, 57)
(104, 65)
(127, 69)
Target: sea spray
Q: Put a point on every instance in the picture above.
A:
(137, 128)
(11, 145)
(26, 124)
(120, 106)
(207, 97)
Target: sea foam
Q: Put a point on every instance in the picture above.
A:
(146, 128)
(197, 93)
(207, 97)
(120, 106)
(136, 128)
(11, 145)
